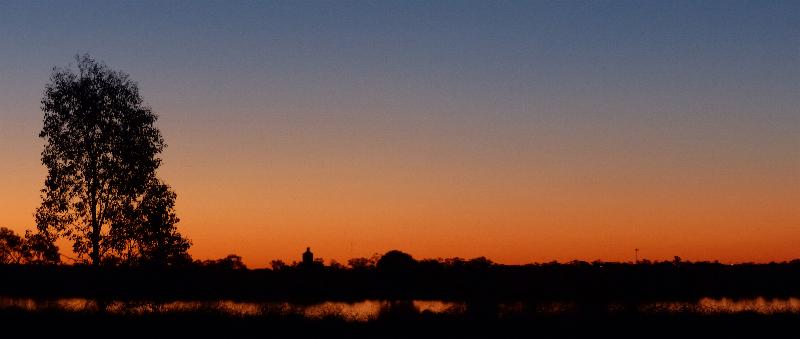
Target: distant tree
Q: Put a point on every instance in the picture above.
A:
(10, 247)
(335, 265)
(396, 261)
(234, 262)
(359, 263)
(230, 262)
(39, 249)
(431, 265)
(454, 263)
(101, 154)
(364, 263)
(278, 265)
(479, 263)
(33, 248)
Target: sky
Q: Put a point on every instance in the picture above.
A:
(524, 131)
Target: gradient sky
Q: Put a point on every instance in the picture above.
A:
(521, 131)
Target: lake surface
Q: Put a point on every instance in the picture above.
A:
(371, 309)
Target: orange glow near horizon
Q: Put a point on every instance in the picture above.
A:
(447, 201)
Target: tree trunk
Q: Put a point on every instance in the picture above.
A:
(94, 187)
(95, 232)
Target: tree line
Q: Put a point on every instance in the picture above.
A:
(396, 275)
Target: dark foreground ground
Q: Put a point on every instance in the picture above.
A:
(592, 285)
(61, 324)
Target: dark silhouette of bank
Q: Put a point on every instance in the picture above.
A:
(597, 298)
(398, 276)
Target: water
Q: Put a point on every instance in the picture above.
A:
(728, 305)
(370, 309)
(354, 311)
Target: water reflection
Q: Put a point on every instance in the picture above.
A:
(371, 309)
(728, 305)
(352, 311)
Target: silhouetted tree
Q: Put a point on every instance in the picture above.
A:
(230, 262)
(396, 261)
(10, 247)
(480, 263)
(101, 155)
(40, 249)
(335, 265)
(363, 263)
(430, 265)
(34, 248)
(454, 263)
(278, 265)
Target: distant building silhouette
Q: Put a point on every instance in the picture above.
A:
(308, 257)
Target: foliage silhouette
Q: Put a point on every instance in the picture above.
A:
(101, 155)
(39, 249)
(278, 265)
(230, 263)
(10, 247)
(396, 262)
(33, 248)
(476, 281)
(151, 237)
(364, 263)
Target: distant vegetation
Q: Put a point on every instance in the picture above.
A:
(398, 276)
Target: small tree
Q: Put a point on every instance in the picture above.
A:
(230, 262)
(10, 247)
(39, 249)
(101, 155)
(361, 263)
(396, 261)
(34, 248)
(278, 265)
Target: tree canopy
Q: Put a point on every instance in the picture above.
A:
(101, 153)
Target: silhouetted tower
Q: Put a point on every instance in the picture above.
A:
(637, 255)
(308, 257)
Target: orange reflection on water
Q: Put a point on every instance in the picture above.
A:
(367, 310)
